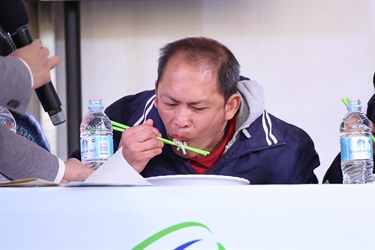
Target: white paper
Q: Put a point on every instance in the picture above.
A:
(116, 171)
(29, 182)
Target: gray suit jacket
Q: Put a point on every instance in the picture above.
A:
(20, 158)
(15, 83)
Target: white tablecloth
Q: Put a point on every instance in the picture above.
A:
(172, 217)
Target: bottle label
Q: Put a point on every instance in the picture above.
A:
(356, 147)
(96, 147)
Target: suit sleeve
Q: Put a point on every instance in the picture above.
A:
(15, 84)
(21, 158)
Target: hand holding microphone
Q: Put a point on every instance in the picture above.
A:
(36, 57)
(14, 20)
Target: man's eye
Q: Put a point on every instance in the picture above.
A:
(171, 104)
(198, 108)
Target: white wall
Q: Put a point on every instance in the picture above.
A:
(306, 54)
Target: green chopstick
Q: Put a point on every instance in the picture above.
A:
(346, 100)
(121, 127)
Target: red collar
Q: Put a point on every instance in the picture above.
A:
(201, 165)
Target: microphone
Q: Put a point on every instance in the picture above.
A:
(14, 20)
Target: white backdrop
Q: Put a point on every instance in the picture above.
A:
(306, 54)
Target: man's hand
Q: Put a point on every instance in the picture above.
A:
(139, 144)
(36, 56)
(75, 171)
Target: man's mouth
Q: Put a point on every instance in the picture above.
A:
(180, 138)
(181, 145)
(181, 141)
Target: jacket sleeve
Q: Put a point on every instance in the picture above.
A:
(15, 84)
(307, 159)
(21, 158)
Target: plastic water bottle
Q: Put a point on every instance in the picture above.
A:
(7, 118)
(356, 146)
(96, 135)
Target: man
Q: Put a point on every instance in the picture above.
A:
(200, 99)
(24, 69)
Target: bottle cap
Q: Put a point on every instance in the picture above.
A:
(354, 104)
(95, 103)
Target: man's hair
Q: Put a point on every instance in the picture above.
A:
(207, 52)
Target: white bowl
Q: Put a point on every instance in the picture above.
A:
(196, 180)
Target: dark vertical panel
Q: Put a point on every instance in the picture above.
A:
(73, 72)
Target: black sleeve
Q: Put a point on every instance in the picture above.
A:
(334, 173)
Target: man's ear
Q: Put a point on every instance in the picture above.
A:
(156, 94)
(232, 106)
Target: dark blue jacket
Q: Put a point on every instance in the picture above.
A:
(287, 156)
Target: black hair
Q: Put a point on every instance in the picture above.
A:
(202, 50)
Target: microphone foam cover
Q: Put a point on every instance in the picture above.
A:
(13, 15)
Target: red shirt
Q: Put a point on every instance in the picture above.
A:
(201, 165)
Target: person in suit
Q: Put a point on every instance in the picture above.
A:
(27, 125)
(25, 69)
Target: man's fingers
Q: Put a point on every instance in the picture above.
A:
(53, 61)
(37, 43)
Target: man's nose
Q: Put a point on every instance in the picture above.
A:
(182, 117)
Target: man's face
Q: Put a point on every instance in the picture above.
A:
(190, 106)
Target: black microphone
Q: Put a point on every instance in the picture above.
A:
(14, 20)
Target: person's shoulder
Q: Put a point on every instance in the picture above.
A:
(283, 123)
(289, 129)
(129, 106)
(131, 100)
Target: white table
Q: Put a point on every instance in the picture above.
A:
(219, 217)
